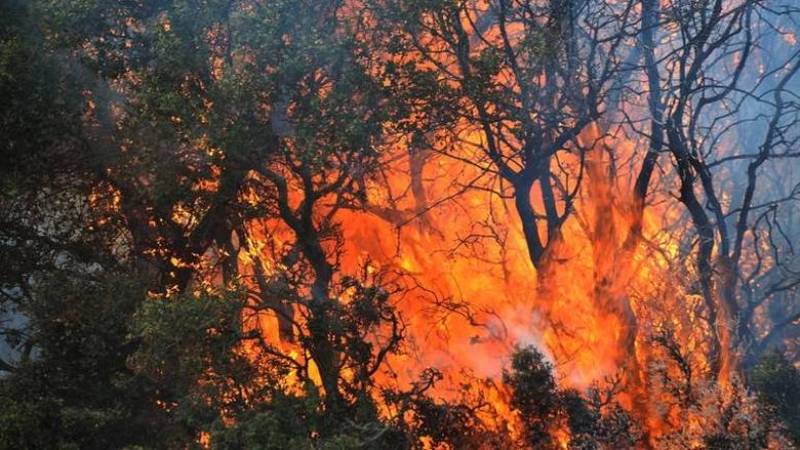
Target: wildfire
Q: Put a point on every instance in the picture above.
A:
(473, 294)
(605, 294)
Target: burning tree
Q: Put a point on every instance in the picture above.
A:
(707, 94)
(509, 87)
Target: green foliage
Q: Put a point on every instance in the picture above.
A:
(594, 422)
(294, 422)
(777, 384)
(535, 395)
(45, 174)
(282, 427)
(129, 90)
(41, 101)
(76, 391)
(114, 368)
(189, 349)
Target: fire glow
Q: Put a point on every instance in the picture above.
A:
(449, 233)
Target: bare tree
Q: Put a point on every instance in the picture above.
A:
(702, 77)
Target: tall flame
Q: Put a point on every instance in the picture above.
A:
(472, 294)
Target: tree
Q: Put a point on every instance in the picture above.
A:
(777, 384)
(524, 96)
(76, 390)
(46, 216)
(594, 421)
(708, 98)
(217, 130)
(482, 68)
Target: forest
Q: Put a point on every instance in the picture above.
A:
(399, 224)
